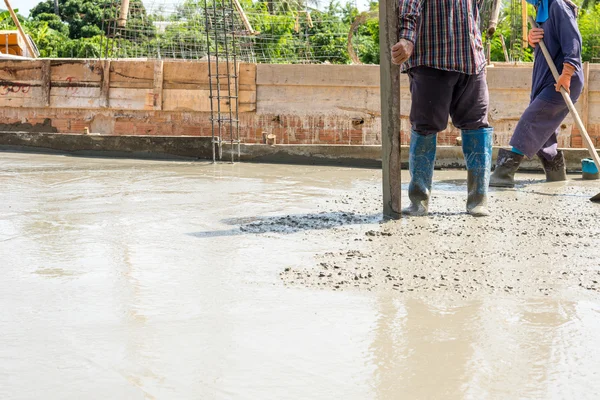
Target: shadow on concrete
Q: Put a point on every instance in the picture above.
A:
(289, 224)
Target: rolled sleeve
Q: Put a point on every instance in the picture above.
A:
(409, 12)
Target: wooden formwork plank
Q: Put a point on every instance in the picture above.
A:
(82, 73)
(132, 74)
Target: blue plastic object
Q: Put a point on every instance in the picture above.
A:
(588, 166)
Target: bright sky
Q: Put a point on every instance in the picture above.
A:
(25, 5)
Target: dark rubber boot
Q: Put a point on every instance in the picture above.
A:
(477, 149)
(556, 170)
(421, 162)
(507, 165)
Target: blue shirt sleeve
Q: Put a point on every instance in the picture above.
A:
(565, 25)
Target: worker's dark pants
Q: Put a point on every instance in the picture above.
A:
(537, 129)
(437, 94)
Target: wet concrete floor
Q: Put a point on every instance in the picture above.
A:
(129, 279)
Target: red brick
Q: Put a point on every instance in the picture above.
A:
(36, 121)
(77, 126)
(164, 129)
(576, 141)
(145, 128)
(327, 138)
(190, 130)
(124, 128)
(62, 125)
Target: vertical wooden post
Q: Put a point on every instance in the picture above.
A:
(158, 85)
(46, 82)
(124, 12)
(105, 84)
(390, 108)
(506, 59)
(524, 23)
(585, 101)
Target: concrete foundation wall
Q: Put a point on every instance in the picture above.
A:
(299, 104)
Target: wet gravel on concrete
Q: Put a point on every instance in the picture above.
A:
(542, 237)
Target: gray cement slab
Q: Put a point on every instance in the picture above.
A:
(191, 147)
(129, 279)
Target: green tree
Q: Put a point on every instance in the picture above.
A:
(589, 26)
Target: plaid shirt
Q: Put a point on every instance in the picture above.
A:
(446, 34)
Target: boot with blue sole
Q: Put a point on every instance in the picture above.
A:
(477, 149)
(421, 163)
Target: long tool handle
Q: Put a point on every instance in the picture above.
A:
(565, 95)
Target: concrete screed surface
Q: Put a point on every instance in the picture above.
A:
(128, 279)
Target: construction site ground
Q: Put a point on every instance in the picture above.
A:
(142, 279)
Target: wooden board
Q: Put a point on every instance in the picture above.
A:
(318, 75)
(75, 97)
(132, 74)
(76, 73)
(247, 77)
(131, 99)
(25, 96)
(22, 71)
(190, 100)
(317, 100)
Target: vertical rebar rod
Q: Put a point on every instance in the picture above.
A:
(210, 86)
(229, 97)
(237, 92)
(219, 122)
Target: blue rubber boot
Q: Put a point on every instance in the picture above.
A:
(421, 161)
(477, 149)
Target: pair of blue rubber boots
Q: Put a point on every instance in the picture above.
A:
(477, 150)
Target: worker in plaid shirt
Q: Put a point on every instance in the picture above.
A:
(441, 49)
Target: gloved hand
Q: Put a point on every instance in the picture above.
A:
(565, 78)
(535, 36)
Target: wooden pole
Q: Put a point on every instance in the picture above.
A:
(585, 96)
(504, 48)
(20, 29)
(123, 14)
(390, 108)
(244, 17)
(495, 15)
(524, 22)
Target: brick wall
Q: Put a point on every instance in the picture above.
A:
(299, 104)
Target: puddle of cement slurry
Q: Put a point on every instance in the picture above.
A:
(127, 279)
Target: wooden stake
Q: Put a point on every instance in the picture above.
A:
(585, 96)
(46, 82)
(245, 20)
(105, 84)
(32, 53)
(504, 48)
(123, 14)
(390, 109)
(158, 84)
(495, 14)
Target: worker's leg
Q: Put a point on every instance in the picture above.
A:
(553, 160)
(469, 113)
(431, 94)
(537, 126)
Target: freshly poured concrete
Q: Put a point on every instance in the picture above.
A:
(128, 279)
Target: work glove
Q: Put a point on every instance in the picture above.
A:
(565, 78)
(535, 36)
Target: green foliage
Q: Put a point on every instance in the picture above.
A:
(286, 33)
(589, 26)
